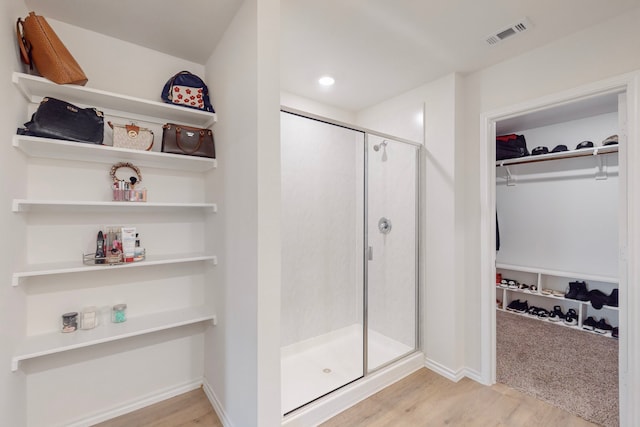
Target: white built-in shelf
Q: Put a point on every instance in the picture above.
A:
(558, 273)
(34, 88)
(68, 150)
(78, 267)
(28, 205)
(57, 342)
(584, 152)
(553, 297)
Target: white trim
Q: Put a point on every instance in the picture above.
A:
(442, 370)
(630, 155)
(337, 401)
(217, 405)
(135, 404)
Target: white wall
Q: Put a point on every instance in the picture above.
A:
(121, 67)
(12, 304)
(243, 351)
(401, 116)
(290, 100)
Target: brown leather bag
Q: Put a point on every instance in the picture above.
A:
(180, 139)
(40, 46)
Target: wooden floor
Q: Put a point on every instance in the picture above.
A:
(189, 409)
(421, 399)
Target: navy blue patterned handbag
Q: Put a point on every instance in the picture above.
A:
(187, 90)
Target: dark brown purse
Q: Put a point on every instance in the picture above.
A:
(40, 46)
(180, 139)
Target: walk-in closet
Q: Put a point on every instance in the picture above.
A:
(557, 257)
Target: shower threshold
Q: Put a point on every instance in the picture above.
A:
(315, 367)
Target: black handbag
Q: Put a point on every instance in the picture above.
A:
(60, 120)
(180, 139)
(511, 146)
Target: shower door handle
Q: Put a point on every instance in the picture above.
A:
(370, 253)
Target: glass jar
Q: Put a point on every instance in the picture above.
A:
(89, 318)
(70, 322)
(119, 313)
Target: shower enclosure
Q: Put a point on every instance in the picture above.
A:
(349, 255)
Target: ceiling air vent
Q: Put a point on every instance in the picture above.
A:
(518, 27)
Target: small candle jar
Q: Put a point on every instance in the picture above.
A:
(70, 322)
(119, 313)
(89, 318)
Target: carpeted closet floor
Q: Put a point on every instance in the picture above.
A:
(574, 370)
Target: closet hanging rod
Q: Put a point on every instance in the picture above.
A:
(594, 151)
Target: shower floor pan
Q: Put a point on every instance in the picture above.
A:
(317, 366)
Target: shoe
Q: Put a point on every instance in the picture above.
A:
(612, 300)
(533, 311)
(597, 298)
(573, 291)
(571, 318)
(589, 324)
(546, 291)
(577, 291)
(520, 306)
(542, 313)
(602, 327)
(523, 286)
(533, 288)
(614, 332)
(556, 315)
(514, 305)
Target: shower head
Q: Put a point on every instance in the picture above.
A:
(377, 147)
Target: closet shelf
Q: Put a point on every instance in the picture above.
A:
(594, 151)
(34, 88)
(558, 273)
(555, 298)
(77, 267)
(29, 205)
(68, 150)
(57, 342)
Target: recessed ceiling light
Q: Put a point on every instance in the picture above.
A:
(326, 81)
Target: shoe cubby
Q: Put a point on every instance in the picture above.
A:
(557, 291)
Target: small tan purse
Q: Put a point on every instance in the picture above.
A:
(132, 137)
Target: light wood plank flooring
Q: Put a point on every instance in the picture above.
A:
(421, 399)
(186, 410)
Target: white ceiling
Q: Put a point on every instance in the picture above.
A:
(375, 49)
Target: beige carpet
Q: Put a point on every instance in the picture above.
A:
(574, 370)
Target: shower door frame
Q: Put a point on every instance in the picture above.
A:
(365, 254)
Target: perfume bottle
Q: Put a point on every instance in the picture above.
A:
(100, 252)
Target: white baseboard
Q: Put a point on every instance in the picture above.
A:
(217, 405)
(134, 405)
(474, 375)
(453, 375)
(336, 402)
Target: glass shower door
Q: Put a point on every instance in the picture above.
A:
(392, 234)
(322, 258)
